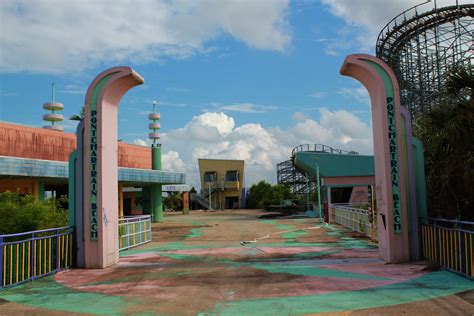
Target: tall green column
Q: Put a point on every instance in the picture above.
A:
(72, 188)
(156, 193)
(41, 191)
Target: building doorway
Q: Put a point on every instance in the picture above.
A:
(231, 202)
(127, 206)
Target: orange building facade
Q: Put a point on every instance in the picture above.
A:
(23, 148)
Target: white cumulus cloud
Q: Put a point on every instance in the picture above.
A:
(172, 161)
(56, 36)
(261, 148)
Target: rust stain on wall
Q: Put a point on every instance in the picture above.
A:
(37, 143)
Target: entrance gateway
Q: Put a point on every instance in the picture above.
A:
(95, 165)
(395, 152)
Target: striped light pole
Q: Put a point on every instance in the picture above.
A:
(156, 190)
(53, 117)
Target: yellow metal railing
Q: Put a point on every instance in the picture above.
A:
(451, 247)
(31, 255)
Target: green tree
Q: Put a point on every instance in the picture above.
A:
(264, 194)
(279, 193)
(257, 194)
(447, 133)
(24, 213)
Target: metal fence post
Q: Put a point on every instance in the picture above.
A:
(58, 262)
(32, 256)
(1, 261)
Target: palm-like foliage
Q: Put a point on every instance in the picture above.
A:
(447, 133)
(78, 117)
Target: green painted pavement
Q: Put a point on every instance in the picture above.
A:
(139, 277)
(284, 227)
(290, 235)
(309, 270)
(343, 242)
(178, 245)
(310, 255)
(47, 293)
(429, 286)
(195, 232)
(294, 268)
(294, 235)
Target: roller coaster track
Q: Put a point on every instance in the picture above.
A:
(399, 29)
(421, 45)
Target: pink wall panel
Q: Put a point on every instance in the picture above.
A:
(38, 143)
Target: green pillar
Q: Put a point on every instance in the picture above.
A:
(41, 191)
(156, 193)
(418, 153)
(146, 199)
(72, 188)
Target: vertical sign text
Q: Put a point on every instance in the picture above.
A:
(94, 225)
(394, 167)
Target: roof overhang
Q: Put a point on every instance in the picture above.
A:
(14, 168)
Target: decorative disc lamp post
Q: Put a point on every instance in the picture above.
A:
(156, 193)
(53, 117)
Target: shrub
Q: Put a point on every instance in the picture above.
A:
(174, 202)
(21, 213)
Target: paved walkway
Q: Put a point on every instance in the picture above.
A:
(233, 263)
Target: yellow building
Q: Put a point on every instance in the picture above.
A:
(223, 180)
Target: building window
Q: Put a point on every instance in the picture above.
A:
(232, 175)
(210, 176)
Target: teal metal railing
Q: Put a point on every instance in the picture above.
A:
(134, 231)
(355, 218)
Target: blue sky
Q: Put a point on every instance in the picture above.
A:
(233, 79)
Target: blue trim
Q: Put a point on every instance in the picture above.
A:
(22, 167)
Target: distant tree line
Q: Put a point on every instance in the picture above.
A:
(447, 133)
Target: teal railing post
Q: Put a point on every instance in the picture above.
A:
(307, 193)
(321, 218)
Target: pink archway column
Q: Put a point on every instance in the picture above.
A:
(390, 166)
(100, 171)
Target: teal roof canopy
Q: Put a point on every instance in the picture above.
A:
(335, 165)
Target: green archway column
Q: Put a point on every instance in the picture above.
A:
(156, 192)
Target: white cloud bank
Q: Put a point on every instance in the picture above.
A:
(56, 36)
(366, 18)
(215, 135)
(375, 14)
